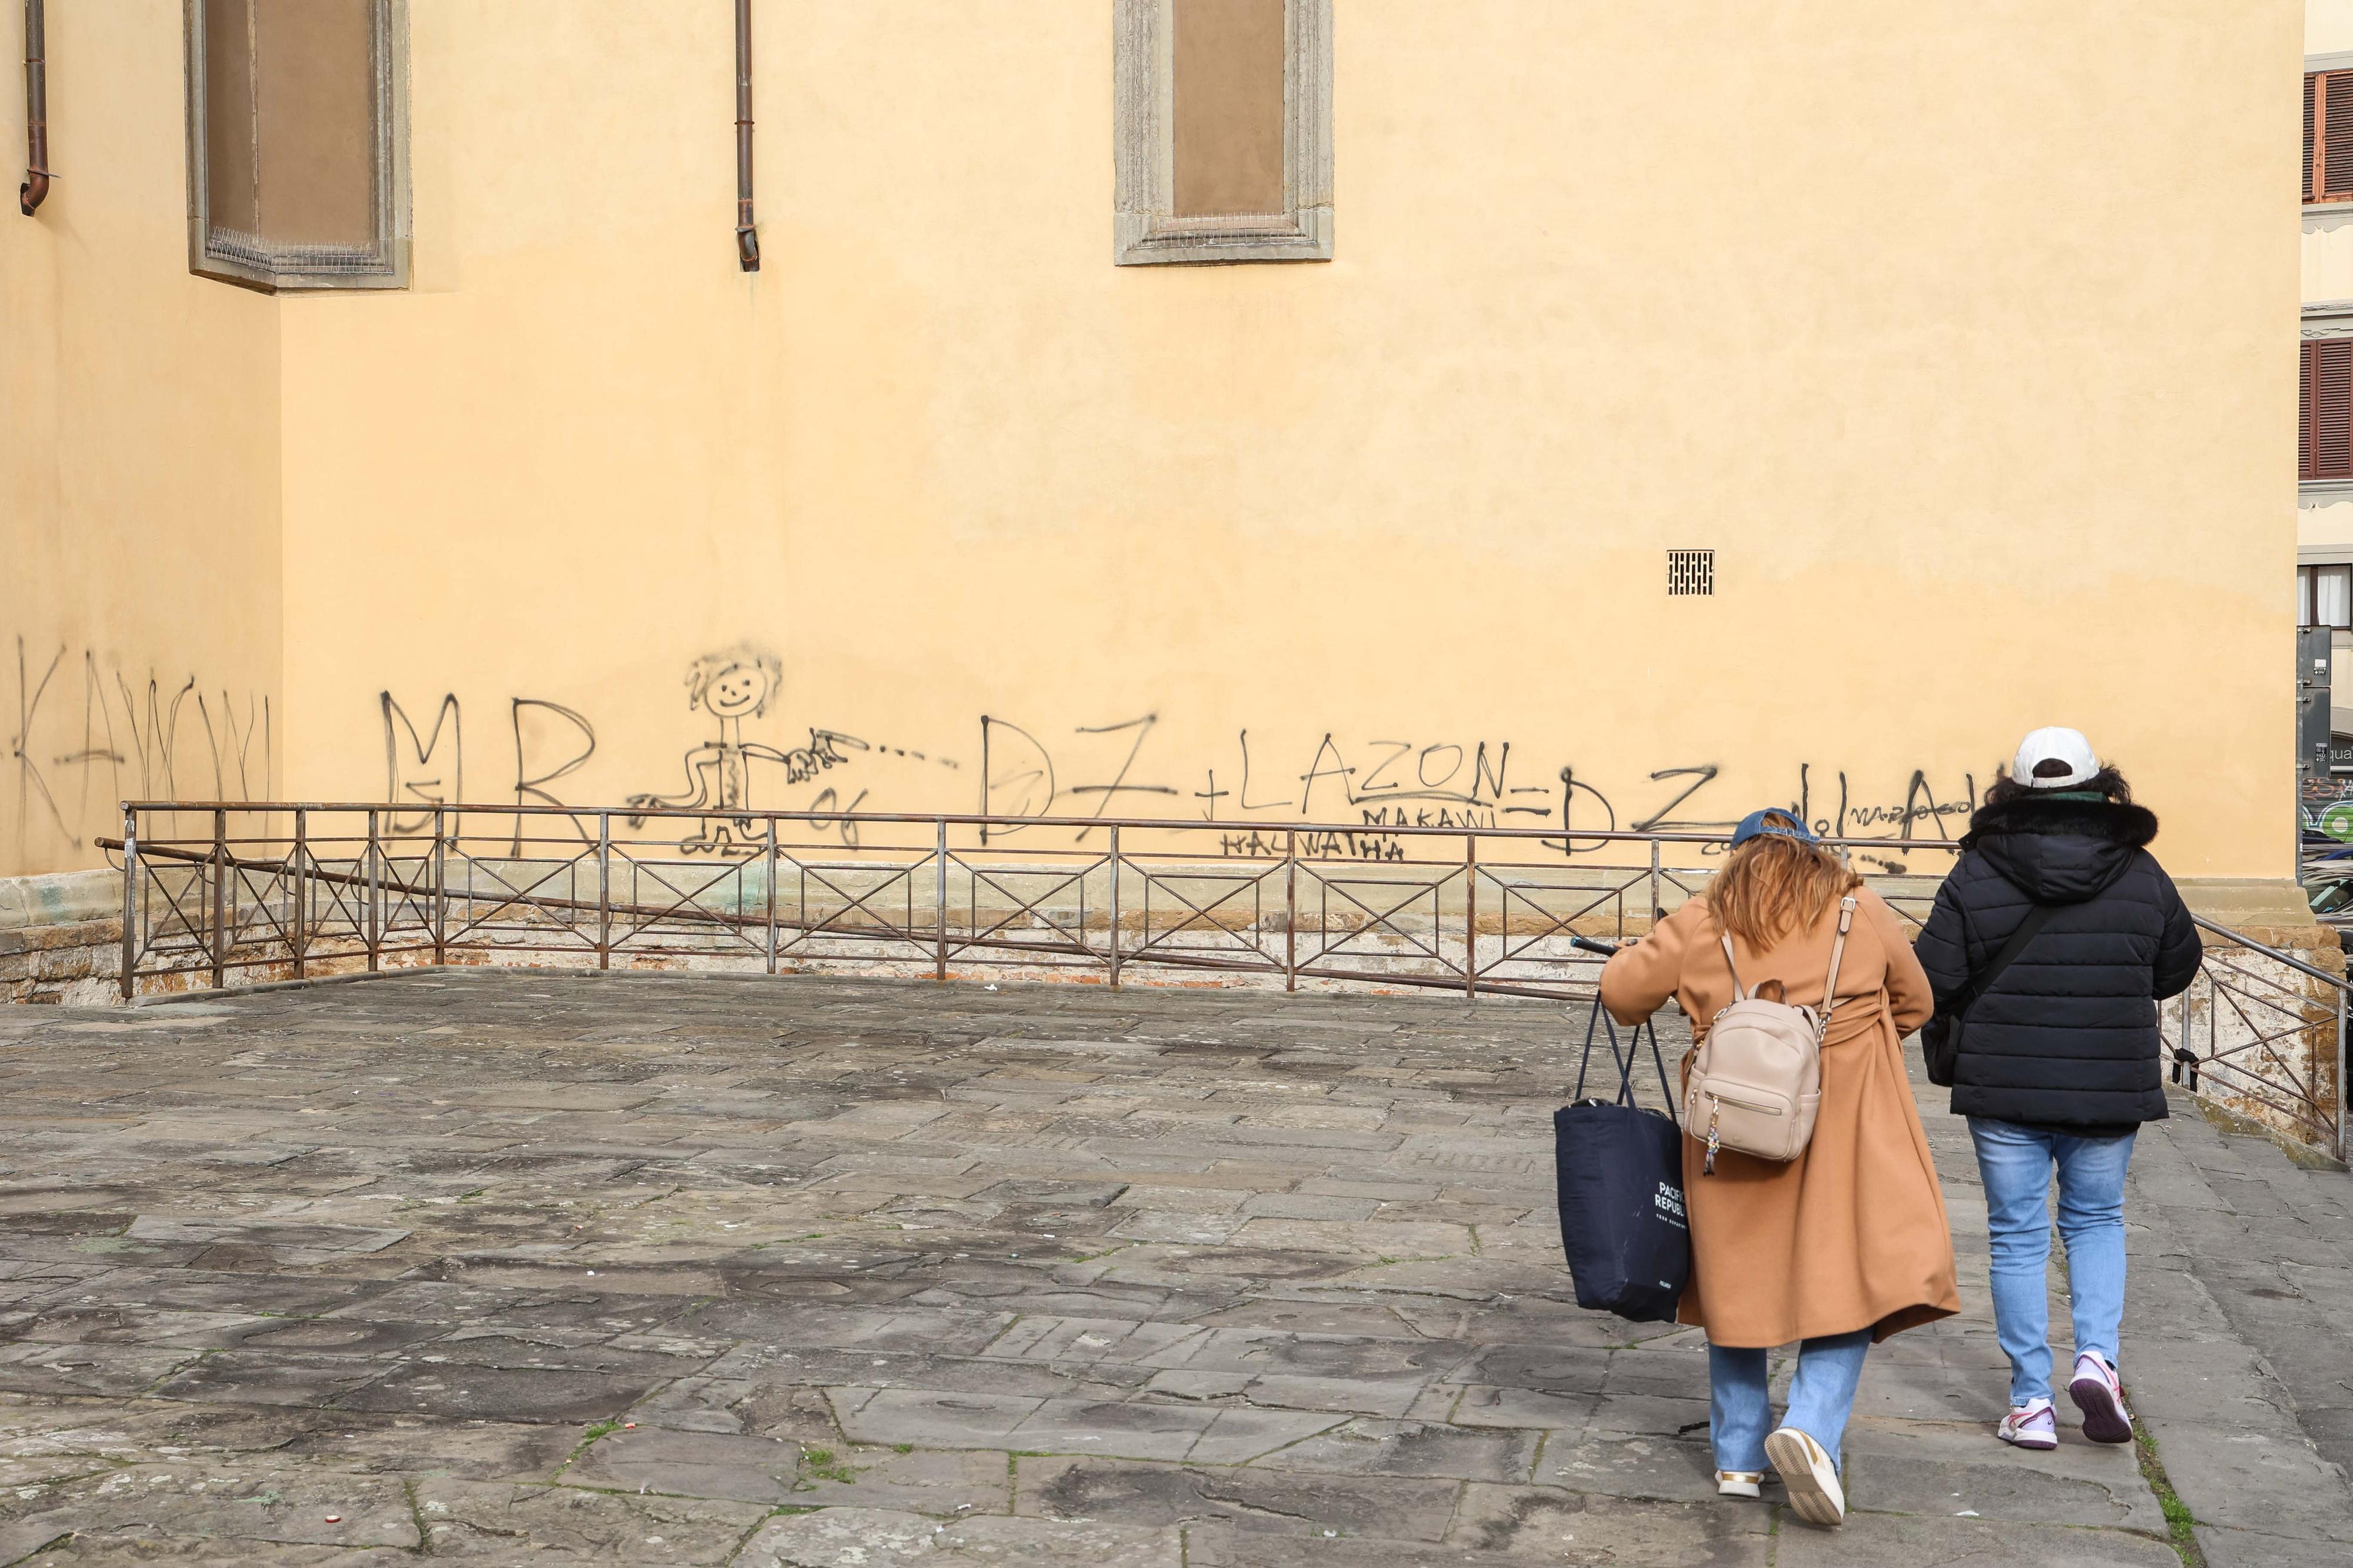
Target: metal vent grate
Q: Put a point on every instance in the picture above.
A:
(1691, 572)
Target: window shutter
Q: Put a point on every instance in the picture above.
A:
(2334, 177)
(2311, 84)
(2332, 409)
(2305, 361)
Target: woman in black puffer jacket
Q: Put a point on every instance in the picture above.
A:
(2059, 1060)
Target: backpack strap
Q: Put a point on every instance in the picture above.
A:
(1838, 950)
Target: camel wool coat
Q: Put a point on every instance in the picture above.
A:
(1850, 1233)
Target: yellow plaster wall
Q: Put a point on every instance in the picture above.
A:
(2327, 254)
(138, 461)
(2327, 26)
(1986, 432)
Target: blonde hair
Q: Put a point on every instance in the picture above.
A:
(1774, 884)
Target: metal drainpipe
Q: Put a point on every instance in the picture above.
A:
(36, 188)
(747, 237)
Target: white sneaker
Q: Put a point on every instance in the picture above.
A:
(1740, 1483)
(2101, 1398)
(2032, 1425)
(1815, 1495)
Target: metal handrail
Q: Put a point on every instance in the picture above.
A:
(2276, 955)
(995, 821)
(1285, 903)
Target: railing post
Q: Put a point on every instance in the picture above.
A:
(1114, 909)
(604, 889)
(220, 899)
(130, 901)
(2339, 1150)
(441, 886)
(773, 862)
(940, 894)
(1469, 918)
(375, 895)
(1291, 909)
(1653, 916)
(299, 938)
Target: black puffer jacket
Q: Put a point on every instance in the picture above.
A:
(2067, 1036)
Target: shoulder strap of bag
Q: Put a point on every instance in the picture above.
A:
(2033, 922)
(1838, 950)
(1739, 992)
(1624, 1063)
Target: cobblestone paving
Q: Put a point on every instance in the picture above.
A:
(513, 1267)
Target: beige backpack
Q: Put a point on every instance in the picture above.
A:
(1758, 1082)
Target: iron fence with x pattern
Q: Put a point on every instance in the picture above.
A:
(305, 891)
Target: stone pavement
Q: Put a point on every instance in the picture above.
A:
(834, 1274)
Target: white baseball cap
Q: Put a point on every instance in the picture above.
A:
(2055, 758)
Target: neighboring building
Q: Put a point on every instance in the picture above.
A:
(2325, 390)
(1609, 412)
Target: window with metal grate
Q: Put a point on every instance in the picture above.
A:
(297, 145)
(1691, 572)
(1222, 148)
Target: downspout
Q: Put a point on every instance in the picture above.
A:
(36, 188)
(747, 237)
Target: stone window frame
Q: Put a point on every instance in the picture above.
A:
(1146, 229)
(312, 268)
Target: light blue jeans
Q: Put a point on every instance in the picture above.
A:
(2015, 1163)
(1821, 1396)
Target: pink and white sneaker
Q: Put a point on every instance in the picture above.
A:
(2035, 1426)
(2101, 1398)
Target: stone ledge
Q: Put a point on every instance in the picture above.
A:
(2246, 903)
(49, 938)
(61, 898)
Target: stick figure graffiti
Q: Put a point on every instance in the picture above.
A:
(734, 685)
(731, 685)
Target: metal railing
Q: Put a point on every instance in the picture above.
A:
(2261, 1031)
(221, 893)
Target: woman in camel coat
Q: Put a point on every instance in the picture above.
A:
(1844, 1244)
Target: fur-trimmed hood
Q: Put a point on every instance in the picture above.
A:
(2060, 852)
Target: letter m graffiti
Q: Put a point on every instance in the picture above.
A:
(423, 770)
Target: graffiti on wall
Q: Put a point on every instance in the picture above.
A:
(425, 767)
(740, 756)
(724, 773)
(729, 687)
(92, 732)
(1373, 784)
(2327, 808)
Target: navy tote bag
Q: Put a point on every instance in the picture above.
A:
(1620, 1165)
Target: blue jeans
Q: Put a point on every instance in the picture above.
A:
(2015, 1163)
(1821, 1396)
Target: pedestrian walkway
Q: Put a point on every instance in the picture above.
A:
(839, 1274)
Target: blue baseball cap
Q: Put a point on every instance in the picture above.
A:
(1753, 825)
